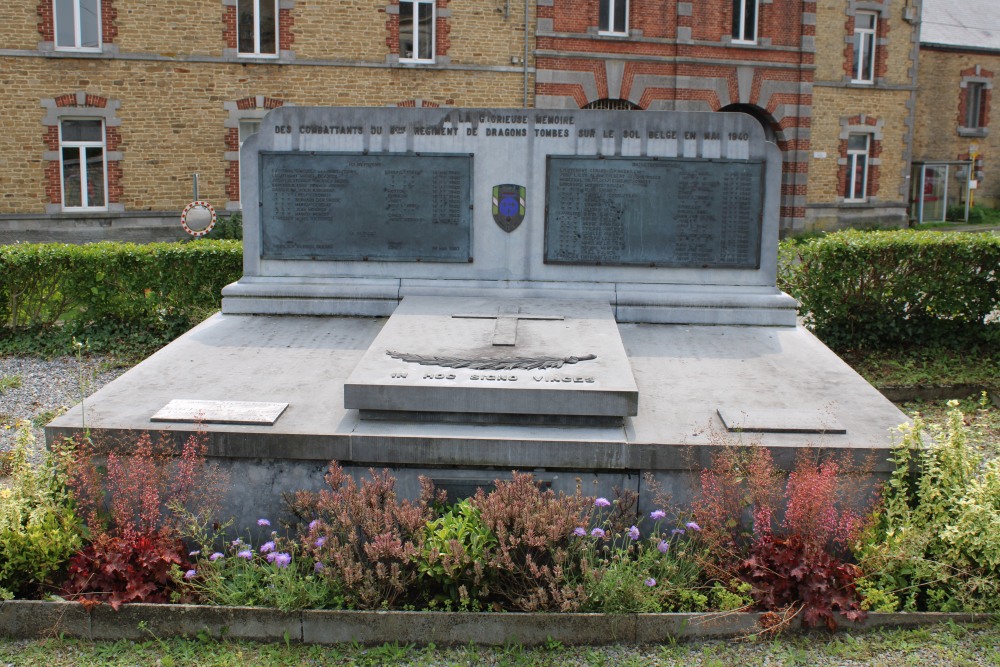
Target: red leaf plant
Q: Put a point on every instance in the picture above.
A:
(134, 512)
(796, 563)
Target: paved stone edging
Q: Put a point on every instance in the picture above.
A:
(27, 619)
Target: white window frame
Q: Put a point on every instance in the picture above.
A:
(82, 146)
(612, 5)
(863, 37)
(256, 53)
(974, 108)
(77, 29)
(240, 138)
(852, 167)
(742, 38)
(416, 32)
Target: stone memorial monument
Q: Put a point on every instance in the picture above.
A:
(464, 292)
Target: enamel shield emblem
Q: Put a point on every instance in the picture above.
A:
(508, 206)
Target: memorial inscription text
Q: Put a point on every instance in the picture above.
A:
(653, 212)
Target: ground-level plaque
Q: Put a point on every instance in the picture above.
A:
(220, 412)
(654, 212)
(478, 356)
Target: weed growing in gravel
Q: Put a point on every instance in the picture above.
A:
(9, 382)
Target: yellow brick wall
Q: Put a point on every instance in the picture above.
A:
(19, 19)
(936, 136)
(182, 27)
(172, 115)
(481, 35)
(837, 103)
(345, 30)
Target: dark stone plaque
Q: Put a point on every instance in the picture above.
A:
(654, 212)
(348, 206)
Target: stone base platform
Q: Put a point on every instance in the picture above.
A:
(787, 383)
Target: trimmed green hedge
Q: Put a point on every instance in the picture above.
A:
(882, 289)
(152, 287)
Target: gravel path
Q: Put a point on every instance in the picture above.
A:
(37, 390)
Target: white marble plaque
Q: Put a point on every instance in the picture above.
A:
(220, 412)
(779, 420)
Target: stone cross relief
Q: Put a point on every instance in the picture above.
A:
(507, 316)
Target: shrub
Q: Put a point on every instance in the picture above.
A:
(106, 291)
(39, 531)
(936, 545)
(367, 541)
(533, 567)
(883, 289)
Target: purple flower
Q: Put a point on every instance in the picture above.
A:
(282, 560)
(597, 532)
(650, 582)
(677, 531)
(267, 546)
(271, 556)
(192, 554)
(320, 541)
(691, 525)
(633, 533)
(237, 542)
(313, 524)
(580, 531)
(602, 502)
(656, 515)
(190, 574)
(214, 557)
(263, 522)
(663, 546)
(246, 553)
(318, 567)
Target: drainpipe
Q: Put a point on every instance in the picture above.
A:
(525, 62)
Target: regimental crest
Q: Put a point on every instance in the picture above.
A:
(508, 206)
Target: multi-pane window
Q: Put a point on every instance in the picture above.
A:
(257, 27)
(857, 167)
(84, 170)
(77, 24)
(613, 17)
(745, 21)
(975, 104)
(863, 67)
(416, 30)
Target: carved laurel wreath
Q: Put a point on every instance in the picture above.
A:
(490, 363)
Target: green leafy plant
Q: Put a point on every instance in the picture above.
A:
(936, 545)
(39, 530)
(455, 547)
(9, 382)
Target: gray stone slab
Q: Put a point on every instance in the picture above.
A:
(777, 420)
(162, 620)
(31, 618)
(219, 412)
(469, 355)
(448, 628)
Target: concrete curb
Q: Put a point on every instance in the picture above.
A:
(27, 619)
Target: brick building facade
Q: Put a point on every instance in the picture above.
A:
(112, 105)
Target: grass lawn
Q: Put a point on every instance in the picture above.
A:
(940, 646)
